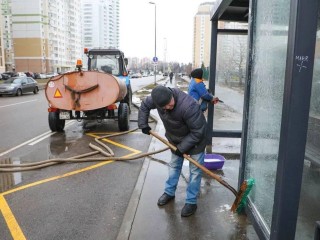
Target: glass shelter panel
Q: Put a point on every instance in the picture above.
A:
(231, 62)
(269, 49)
(309, 209)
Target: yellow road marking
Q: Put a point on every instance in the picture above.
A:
(56, 177)
(115, 143)
(13, 225)
(11, 221)
(106, 133)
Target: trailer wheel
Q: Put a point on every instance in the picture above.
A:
(123, 117)
(55, 124)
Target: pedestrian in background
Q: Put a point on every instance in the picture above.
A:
(197, 89)
(185, 127)
(171, 76)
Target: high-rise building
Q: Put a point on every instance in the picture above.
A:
(65, 34)
(6, 44)
(202, 35)
(113, 23)
(100, 23)
(47, 35)
(2, 60)
(29, 35)
(42, 35)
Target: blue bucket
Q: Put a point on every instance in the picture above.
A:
(213, 161)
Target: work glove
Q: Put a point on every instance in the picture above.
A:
(178, 153)
(215, 100)
(146, 130)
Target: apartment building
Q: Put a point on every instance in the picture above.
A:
(6, 40)
(202, 35)
(100, 23)
(41, 35)
(113, 22)
(2, 60)
(49, 35)
(65, 34)
(29, 35)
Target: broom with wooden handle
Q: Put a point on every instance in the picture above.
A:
(241, 195)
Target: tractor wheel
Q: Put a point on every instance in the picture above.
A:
(128, 98)
(123, 117)
(56, 124)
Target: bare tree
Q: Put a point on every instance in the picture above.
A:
(232, 60)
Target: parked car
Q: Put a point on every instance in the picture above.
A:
(18, 86)
(37, 76)
(5, 76)
(11, 74)
(30, 74)
(136, 75)
(52, 74)
(43, 76)
(21, 74)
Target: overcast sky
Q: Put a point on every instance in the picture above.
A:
(174, 28)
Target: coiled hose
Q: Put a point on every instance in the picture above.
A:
(106, 152)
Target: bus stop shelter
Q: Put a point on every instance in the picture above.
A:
(281, 82)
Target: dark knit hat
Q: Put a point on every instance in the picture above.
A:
(197, 73)
(161, 95)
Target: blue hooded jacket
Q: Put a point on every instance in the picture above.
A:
(197, 89)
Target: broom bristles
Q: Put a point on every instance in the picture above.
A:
(241, 200)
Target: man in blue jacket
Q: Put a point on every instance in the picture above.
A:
(185, 127)
(197, 89)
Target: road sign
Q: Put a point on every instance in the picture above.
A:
(155, 59)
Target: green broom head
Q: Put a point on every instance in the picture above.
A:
(243, 201)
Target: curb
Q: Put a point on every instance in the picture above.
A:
(129, 216)
(128, 219)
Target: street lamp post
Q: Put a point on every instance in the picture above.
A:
(155, 60)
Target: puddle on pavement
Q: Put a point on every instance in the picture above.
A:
(9, 179)
(61, 142)
(57, 143)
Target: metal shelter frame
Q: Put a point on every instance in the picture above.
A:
(295, 111)
(223, 10)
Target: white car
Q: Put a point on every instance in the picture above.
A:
(49, 75)
(21, 74)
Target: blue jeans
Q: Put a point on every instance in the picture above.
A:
(194, 184)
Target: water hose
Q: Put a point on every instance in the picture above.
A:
(107, 152)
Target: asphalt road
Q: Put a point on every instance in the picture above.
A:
(70, 200)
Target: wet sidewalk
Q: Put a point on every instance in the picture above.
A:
(144, 219)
